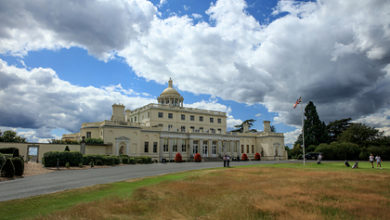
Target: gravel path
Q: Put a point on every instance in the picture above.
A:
(70, 179)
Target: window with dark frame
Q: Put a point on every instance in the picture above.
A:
(211, 120)
(146, 147)
(219, 121)
(183, 117)
(160, 114)
(170, 115)
(155, 147)
(200, 118)
(192, 118)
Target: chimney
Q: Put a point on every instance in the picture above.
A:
(267, 126)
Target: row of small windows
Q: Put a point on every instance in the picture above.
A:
(146, 147)
(247, 149)
(192, 117)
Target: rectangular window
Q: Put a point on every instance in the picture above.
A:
(183, 128)
(211, 120)
(192, 118)
(146, 147)
(183, 117)
(88, 134)
(247, 148)
(195, 149)
(219, 131)
(170, 127)
(170, 115)
(242, 148)
(183, 148)
(200, 118)
(219, 121)
(165, 146)
(154, 147)
(212, 130)
(192, 128)
(160, 114)
(174, 145)
(201, 129)
(214, 147)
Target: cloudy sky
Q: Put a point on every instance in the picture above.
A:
(63, 63)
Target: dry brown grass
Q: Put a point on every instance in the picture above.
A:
(251, 193)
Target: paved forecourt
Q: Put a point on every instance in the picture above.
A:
(70, 179)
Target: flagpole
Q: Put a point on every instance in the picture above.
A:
(303, 135)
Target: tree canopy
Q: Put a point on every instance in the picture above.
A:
(336, 128)
(240, 127)
(10, 136)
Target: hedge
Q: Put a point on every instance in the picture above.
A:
(8, 169)
(10, 150)
(50, 158)
(339, 151)
(2, 160)
(19, 165)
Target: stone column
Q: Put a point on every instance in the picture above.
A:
(170, 148)
(191, 150)
(219, 148)
(209, 148)
(160, 153)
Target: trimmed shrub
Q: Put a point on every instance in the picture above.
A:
(257, 156)
(67, 148)
(99, 162)
(8, 169)
(178, 158)
(244, 157)
(88, 158)
(132, 160)
(67, 165)
(2, 160)
(10, 150)
(143, 160)
(19, 166)
(197, 157)
(125, 160)
(50, 158)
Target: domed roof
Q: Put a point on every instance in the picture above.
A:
(170, 91)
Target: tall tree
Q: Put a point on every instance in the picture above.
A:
(10, 136)
(240, 127)
(315, 130)
(360, 134)
(336, 128)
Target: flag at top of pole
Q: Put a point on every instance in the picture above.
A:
(298, 102)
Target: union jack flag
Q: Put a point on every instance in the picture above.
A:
(298, 102)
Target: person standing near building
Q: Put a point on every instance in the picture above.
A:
(378, 161)
(371, 159)
(224, 160)
(227, 161)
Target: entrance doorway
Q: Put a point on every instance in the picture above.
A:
(32, 153)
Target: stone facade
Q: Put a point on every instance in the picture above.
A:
(164, 129)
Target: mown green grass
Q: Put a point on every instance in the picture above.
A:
(46, 204)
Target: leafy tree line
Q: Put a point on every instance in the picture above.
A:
(340, 139)
(10, 136)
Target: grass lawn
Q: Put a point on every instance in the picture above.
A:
(281, 191)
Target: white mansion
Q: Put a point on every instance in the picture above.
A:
(164, 129)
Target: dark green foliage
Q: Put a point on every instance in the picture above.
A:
(2, 160)
(339, 151)
(336, 128)
(125, 160)
(19, 166)
(273, 129)
(143, 160)
(297, 150)
(59, 141)
(50, 158)
(359, 134)
(67, 148)
(94, 141)
(240, 127)
(8, 169)
(101, 160)
(382, 151)
(10, 150)
(315, 130)
(10, 136)
(88, 158)
(132, 160)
